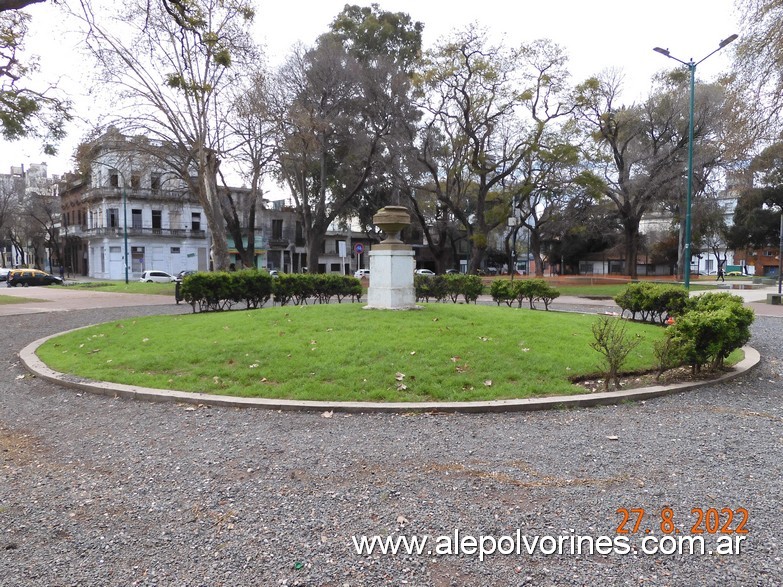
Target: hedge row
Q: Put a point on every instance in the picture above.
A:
(450, 286)
(216, 291)
(705, 329)
(652, 302)
(532, 290)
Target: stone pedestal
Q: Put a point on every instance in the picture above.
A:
(391, 264)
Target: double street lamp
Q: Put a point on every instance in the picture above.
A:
(691, 65)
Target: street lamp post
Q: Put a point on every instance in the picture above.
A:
(125, 225)
(691, 65)
(780, 257)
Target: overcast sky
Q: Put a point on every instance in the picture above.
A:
(597, 35)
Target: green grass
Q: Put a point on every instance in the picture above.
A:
(134, 287)
(16, 300)
(444, 352)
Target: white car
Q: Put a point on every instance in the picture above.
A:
(424, 272)
(362, 273)
(157, 277)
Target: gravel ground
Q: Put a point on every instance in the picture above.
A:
(102, 492)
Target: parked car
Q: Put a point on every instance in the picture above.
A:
(362, 273)
(157, 277)
(734, 274)
(452, 272)
(424, 272)
(4, 271)
(25, 277)
(274, 273)
(184, 273)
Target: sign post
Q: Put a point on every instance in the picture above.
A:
(341, 252)
(359, 249)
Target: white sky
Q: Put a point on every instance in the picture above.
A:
(597, 35)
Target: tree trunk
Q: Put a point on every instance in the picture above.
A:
(210, 200)
(314, 240)
(631, 231)
(535, 250)
(477, 252)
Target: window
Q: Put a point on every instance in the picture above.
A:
(114, 178)
(136, 218)
(277, 228)
(155, 182)
(115, 250)
(157, 221)
(113, 220)
(195, 221)
(175, 250)
(135, 180)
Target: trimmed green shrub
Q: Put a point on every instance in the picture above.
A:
(254, 287)
(428, 287)
(209, 292)
(534, 290)
(470, 286)
(635, 299)
(713, 325)
(652, 302)
(503, 291)
(441, 287)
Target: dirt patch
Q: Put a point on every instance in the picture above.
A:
(17, 446)
(595, 384)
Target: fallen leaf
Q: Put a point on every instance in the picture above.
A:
(413, 352)
(401, 387)
(328, 414)
(399, 376)
(402, 520)
(613, 437)
(488, 383)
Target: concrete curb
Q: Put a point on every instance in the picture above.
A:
(38, 368)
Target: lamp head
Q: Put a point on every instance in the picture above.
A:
(661, 51)
(727, 40)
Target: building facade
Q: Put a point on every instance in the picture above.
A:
(128, 215)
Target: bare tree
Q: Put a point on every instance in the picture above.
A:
(254, 150)
(172, 81)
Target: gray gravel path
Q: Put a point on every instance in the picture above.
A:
(102, 492)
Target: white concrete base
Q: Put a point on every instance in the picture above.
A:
(391, 278)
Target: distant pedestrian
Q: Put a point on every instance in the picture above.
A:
(62, 272)
(720, 275)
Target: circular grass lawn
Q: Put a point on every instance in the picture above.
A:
(342, 352)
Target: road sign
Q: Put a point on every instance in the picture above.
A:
(359, 248)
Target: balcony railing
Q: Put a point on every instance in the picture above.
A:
(138, 194)
(144, 231)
